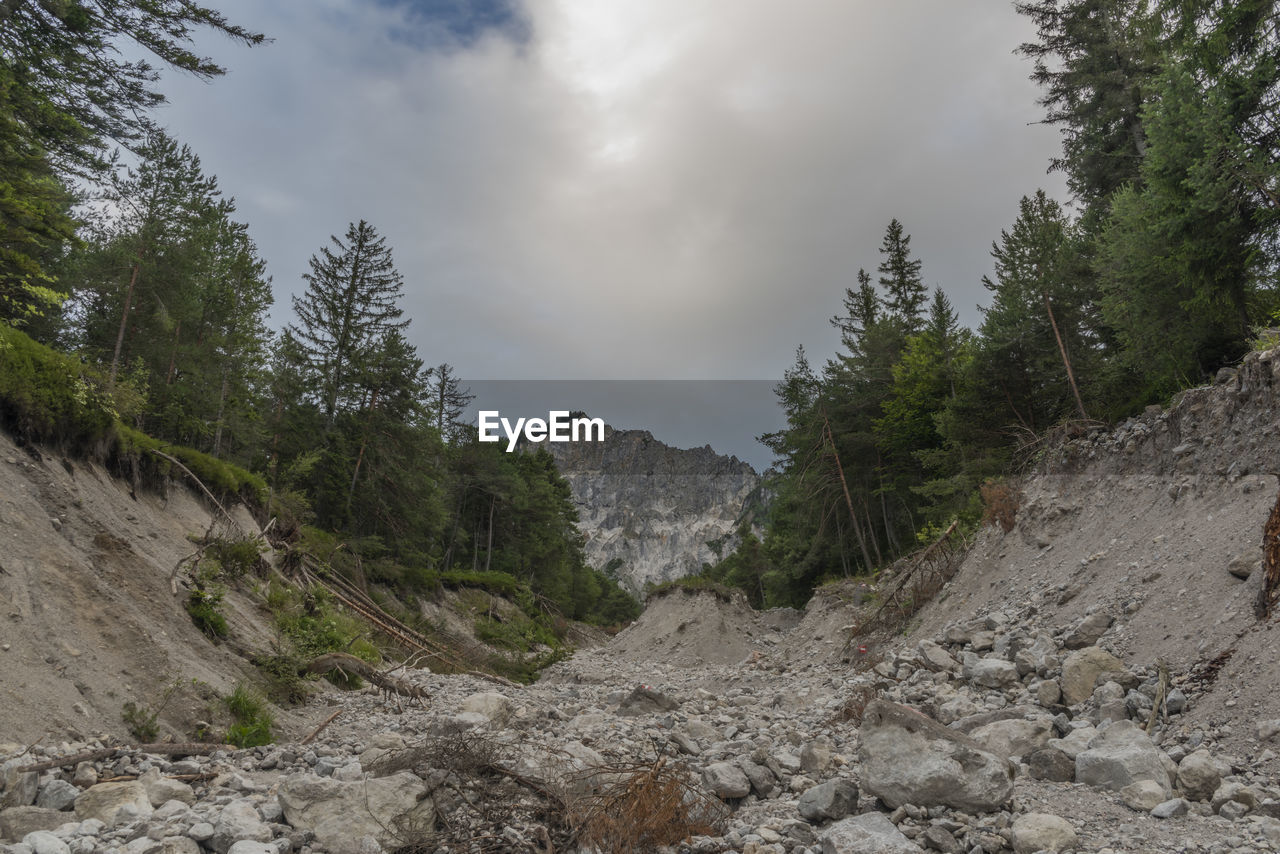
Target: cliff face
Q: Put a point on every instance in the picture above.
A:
(649, 511)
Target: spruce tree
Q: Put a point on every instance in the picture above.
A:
(900, 277)
(349, 304)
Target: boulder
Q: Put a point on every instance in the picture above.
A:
(17, 788)
(1121, 755)
(114, 803)
(726, 780)
(239, 821)
(1081, 671)
(57, 795)
(991, 673)
(1198, 776)
(908, 758)
(391, 809)
(833, 799)
(645, 700)
(1172, 808)
(1052, 764)
(1143, 796)
(1075, 742)
(936, 658)
(1014, 737)
(496, 708)
(1038, 831)
(815, 757)
(44, 842)
(17, 822)
(864, 834)
(161, 790)
(1234, 792)
(1088, 631)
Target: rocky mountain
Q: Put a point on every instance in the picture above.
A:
(652, 512)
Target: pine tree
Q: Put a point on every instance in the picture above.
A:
(448, 401)
(349, 304)
(905, 292)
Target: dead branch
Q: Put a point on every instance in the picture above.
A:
(349, 665)
(184, 749)
(320, 728)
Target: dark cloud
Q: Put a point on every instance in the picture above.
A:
(668, 189)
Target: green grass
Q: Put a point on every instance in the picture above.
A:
(253, 721)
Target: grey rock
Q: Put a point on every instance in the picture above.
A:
(1120, 755)
(991, 673)
(1081, 670)
(908, 758)
(1014, 737)
(1034, 832)
(1233, 791)
(340, 814)
(827, 801)
(249, 846)
(936, 658)
(1172, 808)
(1176, 702)
(644, 700)
(938, 838)
(1267, 730)
(1052, 764)
(161, 789)
(815, 757)
(869, 833)
(57, 795)
(496, 708)
(239, 820)
(1233, 810)
(762, 780)
(1198, 776)
(1243, 565)
(1088, 631)
(201, 831)
(726, 780)
(17, 822)
(44, 842)
(17, 788)
(113, 803)
(1143, 796)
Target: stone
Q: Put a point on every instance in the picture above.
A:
(1143, 796)
(645, 700)
(1176, 702)
(1048, 693)
(726, 780)
(1198, 776)
(186, 845)
(1081, 669)
(956, 708)
(869, 833)
(113, 803)
(17, 788)
(1120, 755)
(1233, 810)
(44, 842)
(828, 801)
(936, 658)
(239, 820)
(1238, 792)
(1052, 764)
(1172, 808)
(249, 846)
(1088, 631)
(339, 813)
(908, 758)
(201, 831)
(1075, 742)
(57, 795)
(815, 757)
(162, 789)
(85, 775)
(938, 838)
(496, 708)
(1267, 730)
(1014, 737)
(762, 780)
(17, 822)
(991, 673)
(1243, 565)
(1037, 831)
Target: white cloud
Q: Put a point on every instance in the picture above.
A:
(676, 188)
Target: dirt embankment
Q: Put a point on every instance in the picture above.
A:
(88, 620)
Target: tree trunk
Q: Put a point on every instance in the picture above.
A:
(124, 317)
(853, 516)
(1071, 377)
(488, 549)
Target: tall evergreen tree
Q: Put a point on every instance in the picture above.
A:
(350, 302)
(448, 401)
(905, 293)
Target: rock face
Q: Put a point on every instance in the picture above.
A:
(650, 512)
(910, 759)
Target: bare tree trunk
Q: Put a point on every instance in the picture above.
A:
(1071, 376)
(124, 317)
(853, 516)
(222, 410)
(488, 549)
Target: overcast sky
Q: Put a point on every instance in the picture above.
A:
(625, 189)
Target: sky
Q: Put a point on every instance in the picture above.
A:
(616, 191)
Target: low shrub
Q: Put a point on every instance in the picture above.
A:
(252, 720)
